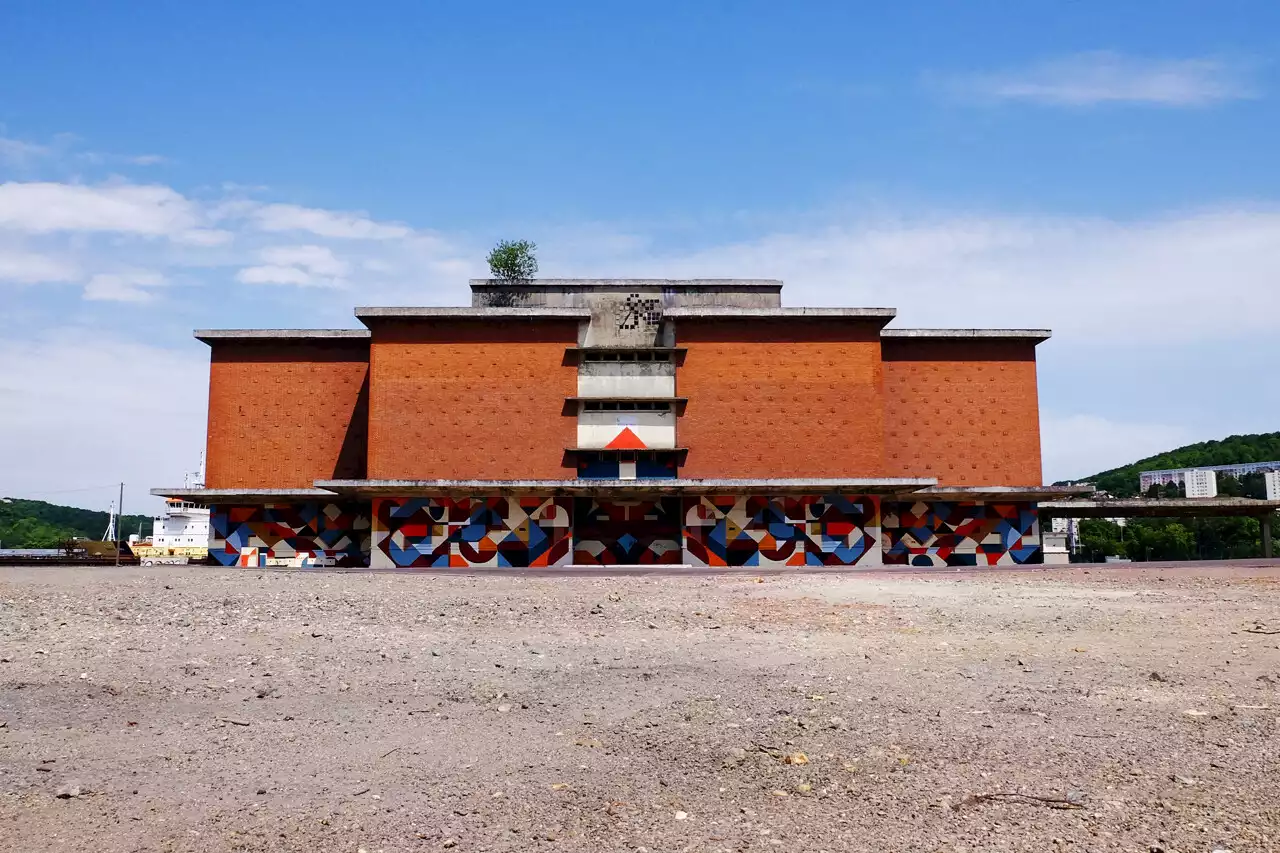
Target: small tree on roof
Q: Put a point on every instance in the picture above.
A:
(513, 260)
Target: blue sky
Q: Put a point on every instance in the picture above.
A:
(1102, 169)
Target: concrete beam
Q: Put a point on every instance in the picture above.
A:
(765, 284)
(248, 496)
(208, 336)
(729, 313)
(855, 486)
(469, 313)
(1035, 335)
(1162, 508)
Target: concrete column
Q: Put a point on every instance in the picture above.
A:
(1266, 536)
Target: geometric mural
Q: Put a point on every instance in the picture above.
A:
(294, 534)
(626, 532)
(493, 532)
(961, 533)
(774, 532)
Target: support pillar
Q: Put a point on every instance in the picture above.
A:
(1266, 536)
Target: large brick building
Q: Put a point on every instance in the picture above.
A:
(623, 422)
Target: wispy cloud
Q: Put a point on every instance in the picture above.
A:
(1102, 77)
(326, 223)
(15, 152)
(123, 286)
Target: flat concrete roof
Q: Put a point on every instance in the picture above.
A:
(997, 493)
(469, 313)
(1036, 335)
(768, 284)
(728, 313)
(1161, 508)
(210, 335)
(249, 496)
(375, 488)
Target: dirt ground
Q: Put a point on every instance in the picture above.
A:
(204, 709)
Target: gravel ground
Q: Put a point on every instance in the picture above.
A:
(202, 709)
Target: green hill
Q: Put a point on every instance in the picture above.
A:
(36, 524)
(1123, 482)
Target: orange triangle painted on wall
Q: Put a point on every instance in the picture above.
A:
(626, 440)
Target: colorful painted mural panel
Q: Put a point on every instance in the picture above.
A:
(298, 535)
(772, 532)
(637, 533)
(493, 532)
(961, 533)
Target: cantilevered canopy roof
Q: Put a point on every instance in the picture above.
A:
(1000, 493)
(248, 496)
(679, 486)
(1162, 508)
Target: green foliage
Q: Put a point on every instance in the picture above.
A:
(1262, 447)
(513, 260)
(1145, 539)
(36, 524)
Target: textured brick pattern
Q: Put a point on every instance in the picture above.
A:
(965, 412)
(780, 399)
(471, 400)
(286, 413)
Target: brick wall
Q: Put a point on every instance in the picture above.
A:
(781, 398)
(283, 414)
(965, 412)
(461, 399)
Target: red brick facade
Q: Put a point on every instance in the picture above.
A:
(775, 399)
(283, 414)
(471, 399)
(963, 411)
(485, 399)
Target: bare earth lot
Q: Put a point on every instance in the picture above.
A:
(211, 710)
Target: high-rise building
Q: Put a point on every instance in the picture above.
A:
(1272, 480)
(623, 422)
(1201, 483)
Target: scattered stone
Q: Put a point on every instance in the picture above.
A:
(796, 758)
(435, 653)
(502, 709)
(652, 625)
(835, 722)
(1155, 676)
(736, 756)
(682, 816)
(613, 596)
(69, 790)
(449, 842)
(262, 790)
(233, 721)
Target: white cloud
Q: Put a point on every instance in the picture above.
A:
(148, 160)
(319, 260)
(69, 418)
(326, 223)
(25, 267)
(1198, 276)
(1075, 446)
(271, 274)
(17, 153)
(45, 208)
(301, 265)
(1100, 77)
(123, 286)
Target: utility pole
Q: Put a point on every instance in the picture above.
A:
(119, 506)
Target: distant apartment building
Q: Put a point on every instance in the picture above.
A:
(1147, 479)
(1201, 483)
(1272, 479)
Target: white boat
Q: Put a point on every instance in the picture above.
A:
(178, 536)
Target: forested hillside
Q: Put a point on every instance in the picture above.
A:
(1123, 482)
(36, 524)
